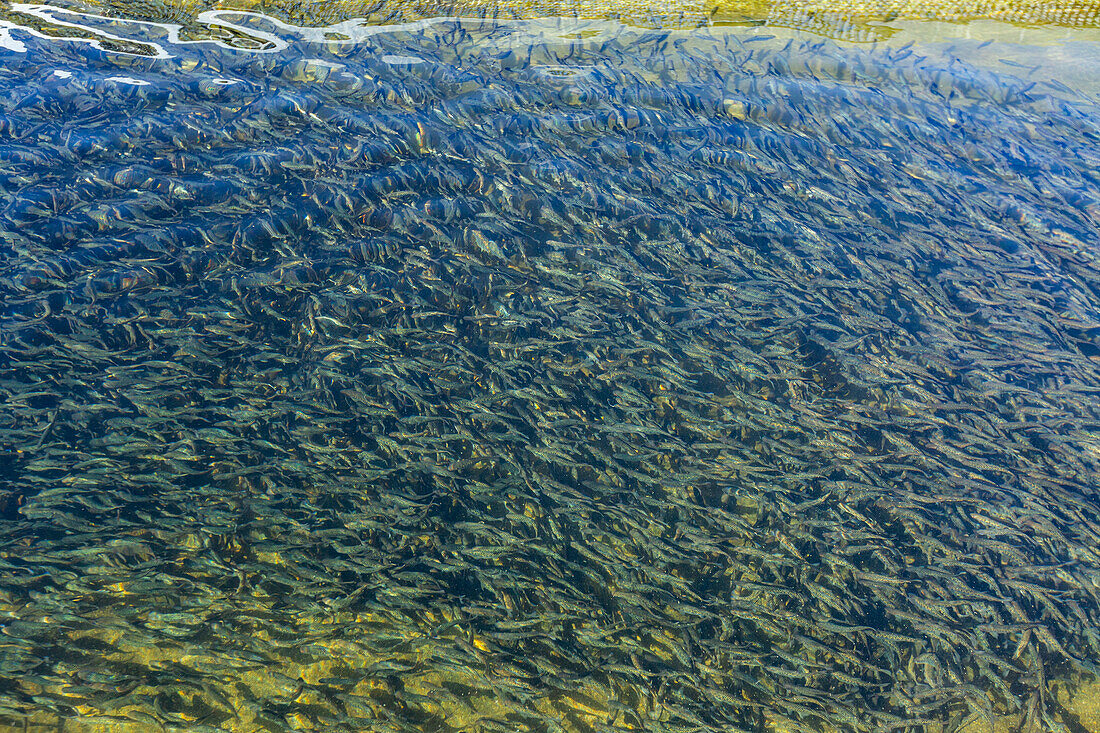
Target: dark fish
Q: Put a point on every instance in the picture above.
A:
(636, 380)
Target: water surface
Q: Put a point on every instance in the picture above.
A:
(540, 376)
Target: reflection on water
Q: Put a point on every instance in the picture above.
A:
(485, 375)
(855, 21)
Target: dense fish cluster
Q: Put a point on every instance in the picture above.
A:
(447, 382)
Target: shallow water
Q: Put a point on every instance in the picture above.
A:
(542, 376)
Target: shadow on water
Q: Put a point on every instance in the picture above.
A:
(542, 376)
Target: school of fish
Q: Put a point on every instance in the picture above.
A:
(644, 381)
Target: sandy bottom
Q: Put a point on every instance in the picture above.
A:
(1084, 706)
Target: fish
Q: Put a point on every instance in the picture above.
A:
(643, 381)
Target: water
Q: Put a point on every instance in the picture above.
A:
(542, 376)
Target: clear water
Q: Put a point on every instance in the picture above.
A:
(522, 376)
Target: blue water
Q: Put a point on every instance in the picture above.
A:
(473, 375)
